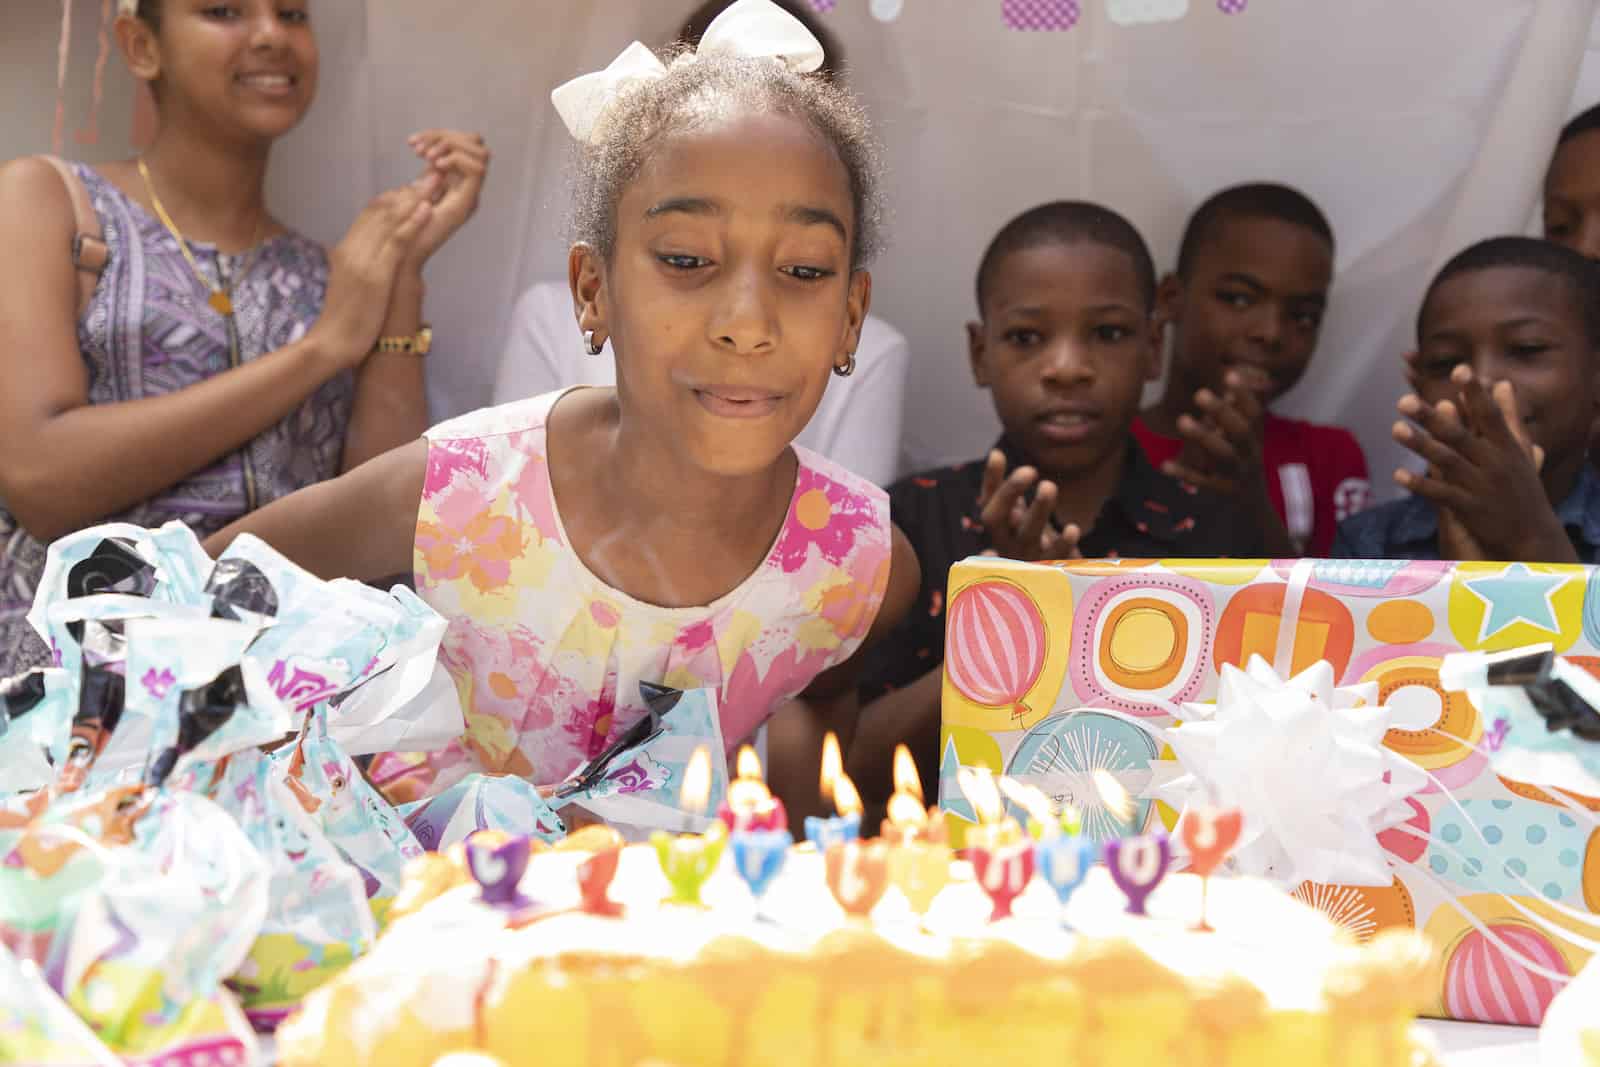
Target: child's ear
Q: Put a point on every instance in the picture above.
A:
(857, 302)
(586, 279)
(1169, 301)
(139, 47)
(1155, 344)
(975, 354)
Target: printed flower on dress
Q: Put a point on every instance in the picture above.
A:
(850, 606)
(481, 550)
(824, 514)
(448, 460)
(592, 724)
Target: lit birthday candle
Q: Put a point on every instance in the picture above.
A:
(1001, 855)
(908, 819)
(1136, 864)
(758, 858)
(919, 858)
(688, 859)
(838, 790)
(1062, 855)
(858, 874)
(750, 805)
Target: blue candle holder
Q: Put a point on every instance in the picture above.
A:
(825, 833)
(758, 856)
(1063, 861)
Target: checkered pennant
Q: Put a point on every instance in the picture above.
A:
(1232, 7)
(822, 7)
(1040, 14)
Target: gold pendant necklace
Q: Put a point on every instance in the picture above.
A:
(220, 298)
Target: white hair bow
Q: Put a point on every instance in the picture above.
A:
(127, 7)
(756, 28)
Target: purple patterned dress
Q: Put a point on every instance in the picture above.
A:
(148, 331)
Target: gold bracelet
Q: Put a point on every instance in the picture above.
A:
(420, 345)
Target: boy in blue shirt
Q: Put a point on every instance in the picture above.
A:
(1506, 386)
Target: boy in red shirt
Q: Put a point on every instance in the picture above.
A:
(1246, 304)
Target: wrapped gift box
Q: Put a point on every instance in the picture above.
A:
(1503, 876)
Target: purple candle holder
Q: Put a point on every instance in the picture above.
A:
(497, 864)
(1137, 865)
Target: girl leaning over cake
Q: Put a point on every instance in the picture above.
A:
(667, 530)
(169, 349)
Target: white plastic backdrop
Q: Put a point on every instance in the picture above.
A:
(1418, 125)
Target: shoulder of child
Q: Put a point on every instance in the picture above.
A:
(933, 495)
(516, 416)
(31, 191)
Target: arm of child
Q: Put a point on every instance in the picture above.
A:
(1226, 444)
(358, 525)
(831, 701)
(65, 463)
(1483, 475)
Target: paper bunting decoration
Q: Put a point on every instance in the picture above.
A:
(1232, 7)
(822, 7)
(1040, 14)
(886, 10)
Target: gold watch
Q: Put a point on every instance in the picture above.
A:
(420, 345)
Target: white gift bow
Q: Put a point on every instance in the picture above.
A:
(127, 7)
(754, 28)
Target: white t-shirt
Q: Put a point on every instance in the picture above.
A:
(857, 424)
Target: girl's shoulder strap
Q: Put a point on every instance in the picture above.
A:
(89, 251)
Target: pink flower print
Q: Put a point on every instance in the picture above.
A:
(694, 638)
(481, 550)
(449, 459)
(606, 615)
(825, 514)
(751, 694)
(158, 685)
(591, 725)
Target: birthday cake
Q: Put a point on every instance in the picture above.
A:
(546, 975)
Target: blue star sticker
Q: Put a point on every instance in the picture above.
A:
(951, 798)
(1517, 595)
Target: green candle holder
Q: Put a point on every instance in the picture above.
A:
(688, 860)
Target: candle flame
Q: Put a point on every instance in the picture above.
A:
(977, 785)
(749, 764)
(696, 791)
(1071, 821)
(1030, 798)
(832, 764)
(1113, 795)
(845, 798)
(906, 812)
(906, 779)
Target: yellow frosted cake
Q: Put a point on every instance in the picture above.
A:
(796, 981)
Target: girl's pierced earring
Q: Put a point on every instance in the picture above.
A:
(590, 345)
(848, 368)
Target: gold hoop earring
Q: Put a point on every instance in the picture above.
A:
(848, 368)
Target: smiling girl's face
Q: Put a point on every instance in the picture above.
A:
(246, 69)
